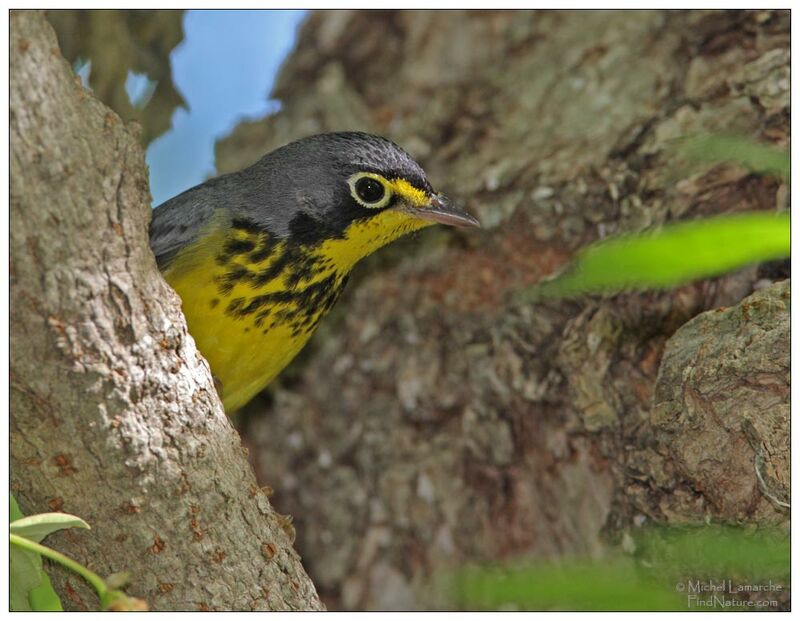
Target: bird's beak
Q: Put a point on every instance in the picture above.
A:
(441, 210)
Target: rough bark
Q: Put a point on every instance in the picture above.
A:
(721, 407)
(114, 416)
(436, 421)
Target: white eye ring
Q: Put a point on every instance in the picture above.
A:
(360, 186)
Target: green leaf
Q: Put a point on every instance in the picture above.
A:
(676, 254)
(752, 155)
(30, 587)
(14, 512)
(26, 575)
(37, 527)
(44, 598)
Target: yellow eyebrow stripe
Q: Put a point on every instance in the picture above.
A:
(405, 190)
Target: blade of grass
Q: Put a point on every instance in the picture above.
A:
(715, 550)
(676, 254)
(577, 585)
(667, 559)
(754, 156)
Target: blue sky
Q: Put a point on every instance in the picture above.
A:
(224, 68)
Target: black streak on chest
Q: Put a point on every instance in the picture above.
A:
(301, 307)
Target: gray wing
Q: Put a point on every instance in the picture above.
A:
(181, 220)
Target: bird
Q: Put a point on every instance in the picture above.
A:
(260, 256)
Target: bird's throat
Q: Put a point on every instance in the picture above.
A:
(252, 301)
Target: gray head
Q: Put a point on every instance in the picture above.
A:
(327, 181)
(314, 189)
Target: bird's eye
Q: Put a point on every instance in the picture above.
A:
(369, 190)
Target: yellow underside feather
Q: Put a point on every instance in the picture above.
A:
(246, 352)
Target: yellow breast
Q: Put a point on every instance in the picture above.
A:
(252, 302)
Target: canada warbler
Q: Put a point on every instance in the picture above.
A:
(259, 256)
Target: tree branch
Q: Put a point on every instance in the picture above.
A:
(114, 413)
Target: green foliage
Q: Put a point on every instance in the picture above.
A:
(30, 586)
(37, 527)
(713, 551)
(685, 251)
(658, 577)
(14, 512)
(572, 585)
(757, 157)
(676, 254)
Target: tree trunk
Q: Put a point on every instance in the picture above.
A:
(438, 422)
(114, 416)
